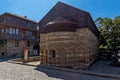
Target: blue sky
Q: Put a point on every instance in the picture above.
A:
(37, 9)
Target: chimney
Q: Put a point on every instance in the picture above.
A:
(25, 16)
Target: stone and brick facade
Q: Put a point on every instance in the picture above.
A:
(68, 37)
(17, 32)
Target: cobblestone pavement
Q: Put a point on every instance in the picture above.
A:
(10, 71)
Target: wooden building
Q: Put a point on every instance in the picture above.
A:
(68, 37)
(16, 33)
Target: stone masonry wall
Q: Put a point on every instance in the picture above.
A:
(12, 49)
(2, 50)
(72, 48)
(90, 44)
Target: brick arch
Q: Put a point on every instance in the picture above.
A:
(80, 54)
(71, 56)
(53, 48)
(71, 49)
(63, 50)
(62, 56)
(52, 56)
(52, 52)
(80, 49)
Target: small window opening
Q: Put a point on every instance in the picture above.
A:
(53, 54)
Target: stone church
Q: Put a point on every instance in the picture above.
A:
(68, 37)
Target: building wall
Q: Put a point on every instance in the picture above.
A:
(72, 48)
(2, 50)
(13, 28)
(18, 22)
(12, 50)
(89, 42)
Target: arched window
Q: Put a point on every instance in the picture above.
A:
(53, 54)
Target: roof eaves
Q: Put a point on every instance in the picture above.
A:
(7, 13)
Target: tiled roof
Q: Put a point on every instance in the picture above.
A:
(60, 24)
(59, 20)
(17, 16)
(75, 15)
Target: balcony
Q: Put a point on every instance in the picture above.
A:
(10, 36)
(29, 38)
(22, 26)
(17, 37)
(13, 36)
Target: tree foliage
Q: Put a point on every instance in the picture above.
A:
(109, 32)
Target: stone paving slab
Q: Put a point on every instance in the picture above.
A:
(85, 72)
(99, 74)
(10, 71)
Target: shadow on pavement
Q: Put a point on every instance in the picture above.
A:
(2, 59)
(100, 66)
(57, 73)
(103, 66)
(50, 72)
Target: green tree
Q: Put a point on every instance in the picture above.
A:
(109, 32)
(104, 25)
(115, 33)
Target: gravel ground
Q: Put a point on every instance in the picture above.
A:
(10, 71)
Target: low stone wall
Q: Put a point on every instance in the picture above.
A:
(31, 59)
(35, 58)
